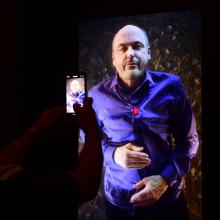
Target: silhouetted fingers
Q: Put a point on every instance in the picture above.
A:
(76, 107)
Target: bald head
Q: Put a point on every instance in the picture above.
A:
(130, 54)
(127, 30)
(74, 86)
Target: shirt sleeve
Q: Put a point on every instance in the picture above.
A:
(108, 152)
(184, 134)
(107, 149)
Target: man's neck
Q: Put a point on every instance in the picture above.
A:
(133, 83)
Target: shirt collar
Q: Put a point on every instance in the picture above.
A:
(148, 78)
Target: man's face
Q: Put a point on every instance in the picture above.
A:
(130, 53)
(74, 86)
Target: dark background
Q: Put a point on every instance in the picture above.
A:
(39, 43)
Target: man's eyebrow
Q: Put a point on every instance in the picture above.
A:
(132, 43)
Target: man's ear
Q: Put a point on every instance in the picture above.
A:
(113, 58)
(148, 53)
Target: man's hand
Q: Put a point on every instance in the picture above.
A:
(54, 121)
(51, 122)
(130, 156)
(85, 116)
(154, 188)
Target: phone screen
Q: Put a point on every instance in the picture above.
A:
(75, 91)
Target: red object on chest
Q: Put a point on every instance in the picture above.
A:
(135, 110)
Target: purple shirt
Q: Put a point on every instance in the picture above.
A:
(163, 124)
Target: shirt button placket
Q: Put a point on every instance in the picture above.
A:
(135, 113)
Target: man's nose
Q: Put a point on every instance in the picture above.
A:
(130, 52)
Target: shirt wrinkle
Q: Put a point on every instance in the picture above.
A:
(163, 107)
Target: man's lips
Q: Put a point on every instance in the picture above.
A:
(131, 65)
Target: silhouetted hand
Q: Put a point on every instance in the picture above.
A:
(51, 123)
(9, 170)
(54, 121)
(85, 116)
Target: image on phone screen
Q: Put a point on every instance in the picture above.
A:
(75, 91)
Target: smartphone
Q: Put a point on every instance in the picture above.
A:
(75, 90)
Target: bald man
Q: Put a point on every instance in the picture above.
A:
(76, 95)
(139, 113)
